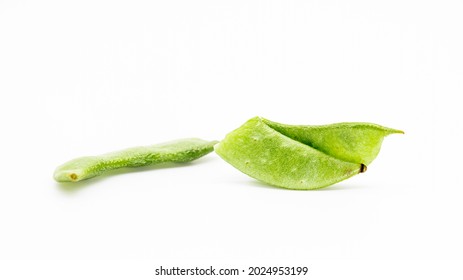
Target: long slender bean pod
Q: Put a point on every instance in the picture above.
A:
(182, 150)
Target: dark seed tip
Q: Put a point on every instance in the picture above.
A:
(363, 168)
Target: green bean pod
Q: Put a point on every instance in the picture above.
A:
(182, 150)
(302, 157)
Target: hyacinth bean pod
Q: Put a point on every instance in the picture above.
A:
(302, 156)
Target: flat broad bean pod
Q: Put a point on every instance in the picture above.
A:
(301, 156)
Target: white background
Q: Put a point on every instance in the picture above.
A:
(87, 77)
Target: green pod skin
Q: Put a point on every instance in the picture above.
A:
(350, 141)
(182, 150)
(282, 155)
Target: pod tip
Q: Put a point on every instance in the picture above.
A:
(66, 176)
(393, 131)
